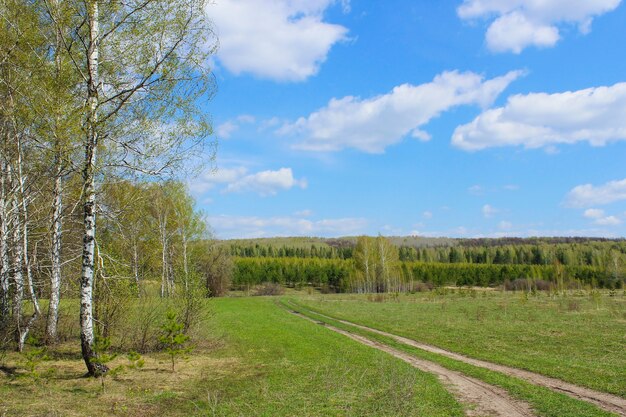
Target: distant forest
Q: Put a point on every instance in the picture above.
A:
(569, 251)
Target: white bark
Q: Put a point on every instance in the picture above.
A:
(16, 261)
(87, 337)
(4, 248)
(55, 255)
(164, 264)
(23, 215)
(57, 209)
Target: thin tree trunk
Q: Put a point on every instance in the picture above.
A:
(16, 262)
(57, 210)
(185, 261)
(55, 255)
(164, 269)
(87, 337)
(4, 249)
(23, 210)
(136, 267)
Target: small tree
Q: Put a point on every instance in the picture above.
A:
(174, 337)
(101, 349)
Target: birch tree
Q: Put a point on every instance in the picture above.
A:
(143, 68)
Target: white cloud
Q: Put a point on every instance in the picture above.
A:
(608, 221)
(237, 180)
(266, 183)
(372, 124)
(228, 227)
(210, 178)
(303, 213)
(476, 190)
(282, 40)
(600, 218)
(489, 211)
(589, 195)
(518, 24)
(595, 115)
(593, 213)
(427, 215)
(226, 129)
(505, 225)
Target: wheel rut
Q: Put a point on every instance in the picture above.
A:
(605, 401)
(483, 399)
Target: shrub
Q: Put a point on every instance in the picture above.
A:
(269, 288)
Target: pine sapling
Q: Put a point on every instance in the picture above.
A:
(174, 337)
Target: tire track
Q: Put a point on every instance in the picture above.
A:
(485, 399)
(605, 401)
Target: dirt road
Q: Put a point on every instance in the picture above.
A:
(608, 402)
(483, 399)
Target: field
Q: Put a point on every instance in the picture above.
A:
(257, 358)
(578, 338)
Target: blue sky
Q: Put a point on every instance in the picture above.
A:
(458, 118)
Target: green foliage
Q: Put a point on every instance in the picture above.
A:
(33, 356)
(173, 337)
(103, 356)
(135, 360)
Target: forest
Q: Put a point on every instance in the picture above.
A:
(337, 264)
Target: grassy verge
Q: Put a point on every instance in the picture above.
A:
(578, 338)
(544, 401)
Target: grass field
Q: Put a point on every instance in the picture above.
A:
(264, 362)
(580, 339)
(256, 358)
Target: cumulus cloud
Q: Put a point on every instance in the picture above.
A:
(489, 211)
(228, 227)
(587, 195)
(608, 221)
(282, 40)
(372, 124)
(238, 180)
(266, 183)
(518, 24)
(226, 129)
(595, 115)
(593, 213)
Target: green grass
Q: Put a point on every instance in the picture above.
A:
(579, 339)
(264, 362)
(292, 367)
(545, 403)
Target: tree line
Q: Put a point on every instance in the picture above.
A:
(100, 104)
(602, 253)
(377, 266)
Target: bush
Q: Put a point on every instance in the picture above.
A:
(269, 288)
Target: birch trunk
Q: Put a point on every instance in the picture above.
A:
(136, 268)
(55, 255)
(87, 337)
(185, 261)
(57, 210)
(23, 215)
(16, 261)
(4, 249)
(164, 269)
